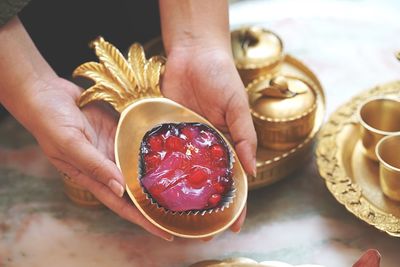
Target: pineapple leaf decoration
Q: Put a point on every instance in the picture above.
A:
(117, 80)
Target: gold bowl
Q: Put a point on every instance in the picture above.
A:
(388, 154)
(132, 88)
(378, 117)
(283, 110)
(256, 51)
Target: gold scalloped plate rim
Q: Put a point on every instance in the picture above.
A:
(327, 163)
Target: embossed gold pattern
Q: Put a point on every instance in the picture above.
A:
(356, 187)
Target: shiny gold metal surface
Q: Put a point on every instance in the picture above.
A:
(378, 117)
(274, 165)
(132, 88)
(350, 176)
(246, 262)
(79, 195)
(256, 51)
(283, 110)
(388, 153)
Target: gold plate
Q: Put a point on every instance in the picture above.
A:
(275, 165)
(350, 176)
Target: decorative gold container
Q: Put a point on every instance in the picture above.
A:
(273, 165)
(132, 87)
(257, 51)
(79, 195)
(283, 110)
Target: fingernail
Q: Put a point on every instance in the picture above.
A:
(169, 239)
(236, 231)
(254, 167)
(116, 187)
(207, 239)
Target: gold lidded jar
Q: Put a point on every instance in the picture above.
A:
(256, 51)
(283, 110)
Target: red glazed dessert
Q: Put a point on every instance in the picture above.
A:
(185, 167)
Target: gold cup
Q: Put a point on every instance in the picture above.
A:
(378, 117)
(388, 154)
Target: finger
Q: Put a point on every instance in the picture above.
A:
(239, 222)
(371, 258)
(242, 131)
(206, 239)
(120, 206)
(90, 161)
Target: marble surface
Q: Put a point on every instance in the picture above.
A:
(349, 44)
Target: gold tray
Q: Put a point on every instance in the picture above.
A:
(275, 165)
(351, 177)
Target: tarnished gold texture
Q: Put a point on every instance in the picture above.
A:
(256, 51)
(350, 176)
(119, 81)
(388, 153)
(132, 88)
(378, 117)
(284, 113)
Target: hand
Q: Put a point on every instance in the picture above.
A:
(206, 81)
(80, 143)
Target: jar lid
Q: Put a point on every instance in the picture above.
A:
(255, 47)
(282, 98)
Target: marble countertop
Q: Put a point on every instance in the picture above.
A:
(349, 44)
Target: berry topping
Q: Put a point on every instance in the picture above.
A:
(156, 143)
(217, 151)
(185, 166)
(214, 200)
(174, 143)
(197, 177)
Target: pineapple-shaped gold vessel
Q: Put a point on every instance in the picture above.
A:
(132, 87)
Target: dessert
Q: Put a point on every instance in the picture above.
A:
(185, 167)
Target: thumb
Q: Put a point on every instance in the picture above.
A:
(241, 129)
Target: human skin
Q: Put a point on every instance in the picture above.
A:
(80, 142)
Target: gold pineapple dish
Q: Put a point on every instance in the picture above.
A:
(132, 87)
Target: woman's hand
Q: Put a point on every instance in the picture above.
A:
(206, 81)
(80, 143)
